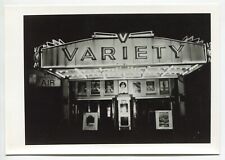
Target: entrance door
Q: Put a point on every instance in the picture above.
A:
(106, 120)
(124, 112)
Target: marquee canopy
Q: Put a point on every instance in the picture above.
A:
(138, 55)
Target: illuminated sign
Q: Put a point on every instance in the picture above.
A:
(122, 50)
(44, 80)
(48, 82)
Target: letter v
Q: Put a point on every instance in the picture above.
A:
(123, 37)
(67, 53)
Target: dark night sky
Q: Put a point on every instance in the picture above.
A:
(39, 29)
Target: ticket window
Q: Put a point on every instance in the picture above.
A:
(124, 113)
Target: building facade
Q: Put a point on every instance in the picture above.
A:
(131, 82)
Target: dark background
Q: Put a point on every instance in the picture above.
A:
(40, 29)
(43, 105)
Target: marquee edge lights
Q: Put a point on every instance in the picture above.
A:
(192, 39)
(171, 71)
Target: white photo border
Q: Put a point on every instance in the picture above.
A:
(14, 87)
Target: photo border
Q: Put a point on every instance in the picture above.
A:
(14, 93)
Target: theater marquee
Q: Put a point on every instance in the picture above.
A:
(133, 49)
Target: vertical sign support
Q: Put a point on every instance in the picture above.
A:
(181, 93)
(65, 91)
(181, 101)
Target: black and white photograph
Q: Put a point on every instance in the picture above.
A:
(167, 57)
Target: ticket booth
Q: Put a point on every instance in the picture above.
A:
(124, 112)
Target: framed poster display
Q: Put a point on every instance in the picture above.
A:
(164, 86)
(150, 87)
(137, 87)
(82, 88)
(90, 121)
(95, 87)
(164, 119)
(123, 88)
(109, 87)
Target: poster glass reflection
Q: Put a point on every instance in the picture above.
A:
(109, 87)
(137, 87)
(164, 86)
(82, 88)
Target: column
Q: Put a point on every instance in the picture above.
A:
(66, 104)
(181, 119)
(181, 95)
